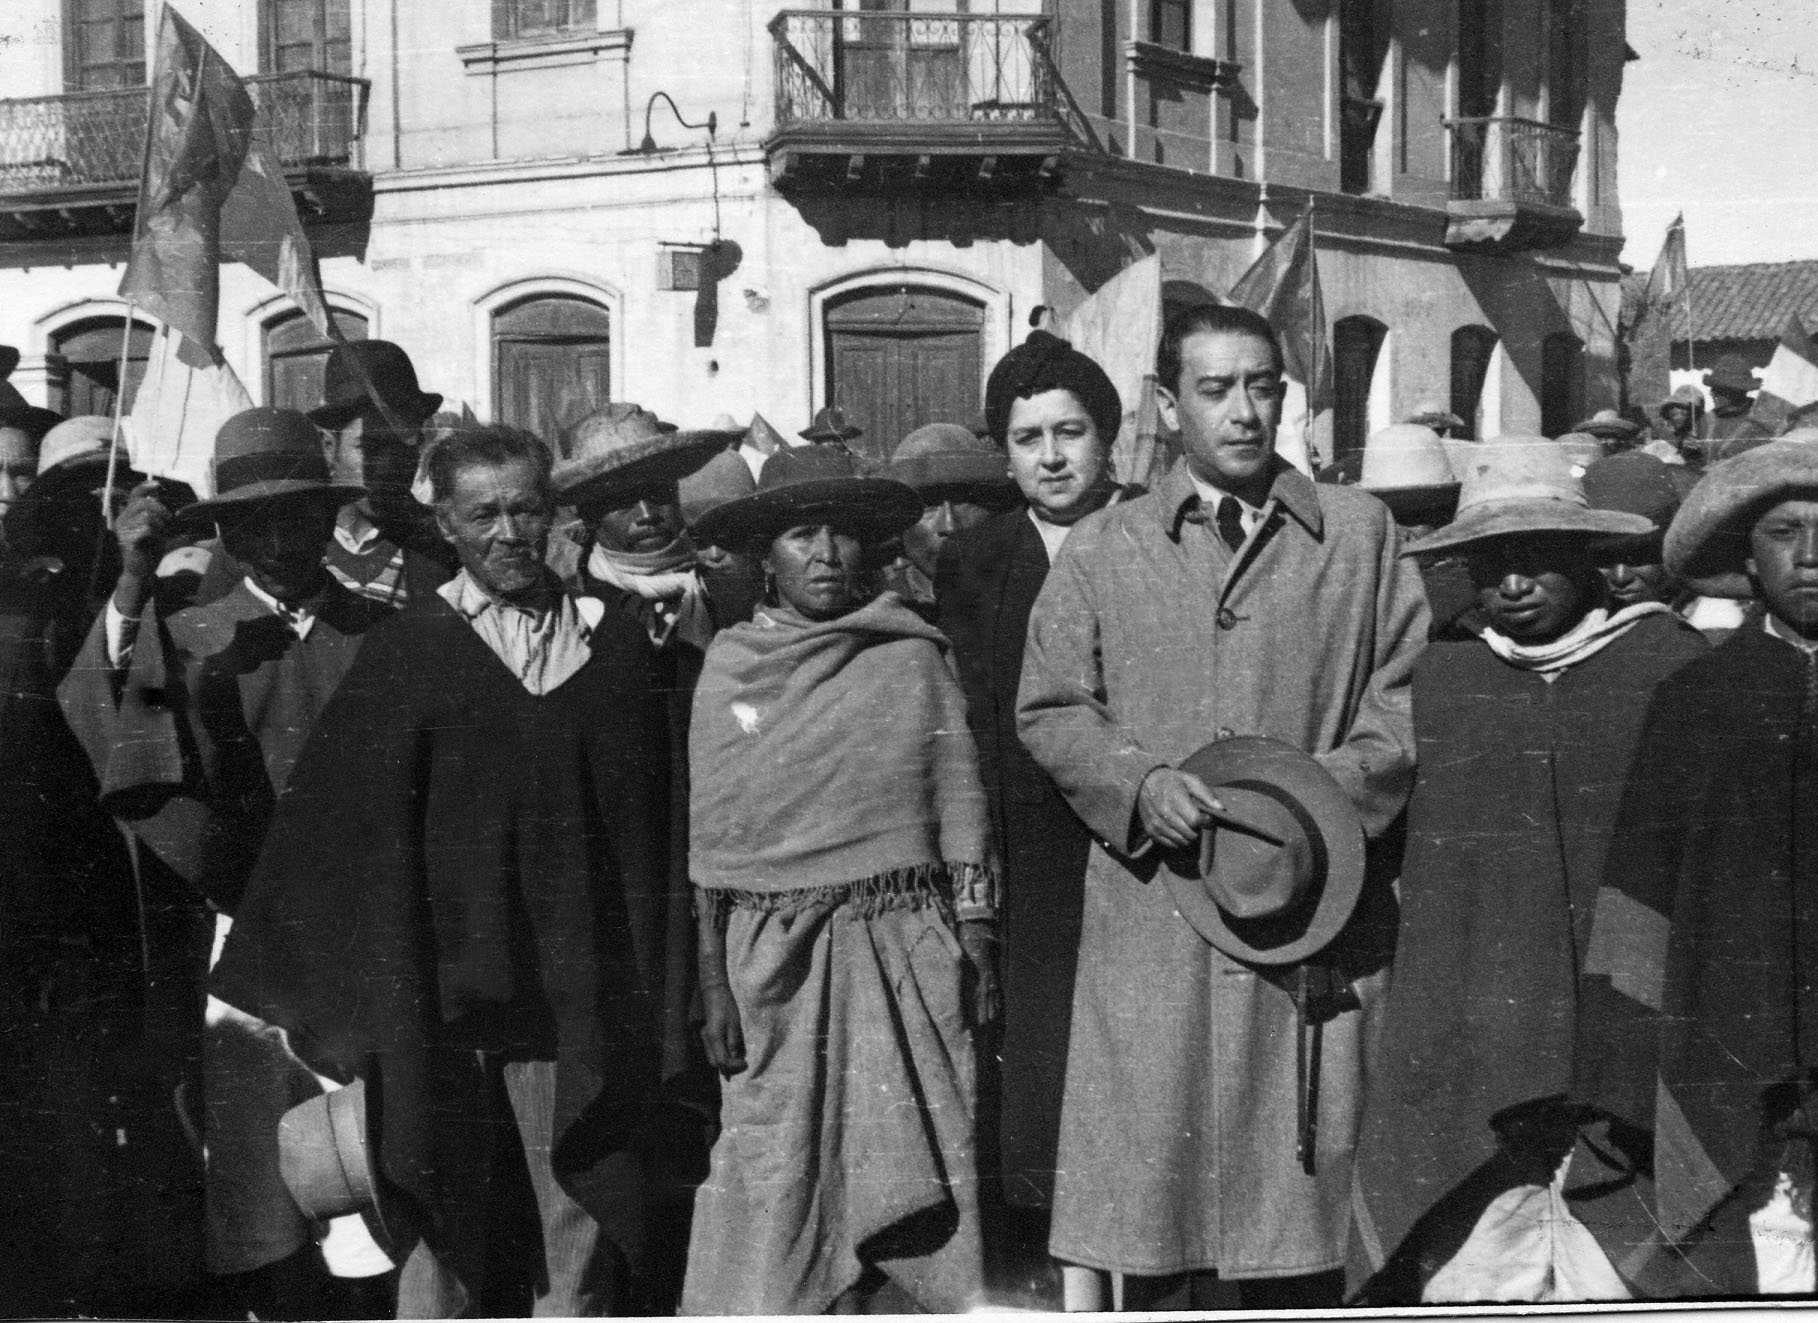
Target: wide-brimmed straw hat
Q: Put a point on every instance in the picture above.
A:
(811, 485)
(1608, 425)
(1280, 872)
(1708, 539)
(1408, 467)
(328, 1156)
(1431, 415)
(1524, 485)
(725, 477)
(948, 455)
(831, 424)
(393, 377)
(1685, 397)
(264, 455)
(75, 451)
(622, 446)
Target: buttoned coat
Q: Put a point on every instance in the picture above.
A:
(1151, 638)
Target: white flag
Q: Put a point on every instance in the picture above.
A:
(171, 430)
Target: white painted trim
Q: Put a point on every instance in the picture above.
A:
(995, 333)
(51, 324)
(571, 284)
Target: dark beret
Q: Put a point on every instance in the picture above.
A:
(1046, 362)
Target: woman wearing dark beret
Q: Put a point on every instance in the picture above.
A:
(1055, 414)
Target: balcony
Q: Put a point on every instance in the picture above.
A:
(880, 101)
(69, 165)
(1511, 185)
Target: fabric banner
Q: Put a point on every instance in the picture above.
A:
(197, 138)
(1658, 321)
(1789, 383)
(180, 406)
(1283, 285)
(260, 227)
(1119, 328)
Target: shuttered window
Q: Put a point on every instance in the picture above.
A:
(104, 44)
(307, 34)
(551, 362)
(901, 356)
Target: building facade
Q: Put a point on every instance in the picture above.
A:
(725, 206)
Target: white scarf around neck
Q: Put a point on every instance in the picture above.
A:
(675, 593)
(1587, 638)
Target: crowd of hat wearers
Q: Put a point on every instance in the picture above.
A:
(1244, 820)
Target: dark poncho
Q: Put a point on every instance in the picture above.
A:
(1510, 824)
(460, 864)
(1701, 987)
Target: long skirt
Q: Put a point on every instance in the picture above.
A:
(848, 1140)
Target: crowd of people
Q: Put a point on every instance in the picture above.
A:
(456, 872)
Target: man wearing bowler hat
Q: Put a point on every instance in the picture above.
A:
(385, 545)
(193, 722)
(1731, 425)
(1237, 598)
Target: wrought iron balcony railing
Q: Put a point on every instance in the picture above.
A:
(90, 140)
(921, 68)
(1502, 159)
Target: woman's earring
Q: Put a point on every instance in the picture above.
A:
(770, 597)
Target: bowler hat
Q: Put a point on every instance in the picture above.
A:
(948, 455)
(1732, 372)
(264, 455)
(1608, 425)
(1685, 397)
(328, 1156)
(1707, 541)
(1279, 872)
(1408, 468)
(621, 447)
(725, 477)
(14, 411)
(1524, 485)
(355, 364)
(1639, 484)
(831, 424)
(811, 484)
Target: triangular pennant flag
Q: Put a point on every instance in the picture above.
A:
(1283, 285)
(1789, 383)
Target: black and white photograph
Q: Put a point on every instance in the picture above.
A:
(705, 657)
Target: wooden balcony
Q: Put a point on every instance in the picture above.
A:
(1511, 185)
(69, 165)
(872, 101)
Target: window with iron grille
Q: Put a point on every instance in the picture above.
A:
(104, 44)
(1171, 24)
(306, 34)
(541, 18)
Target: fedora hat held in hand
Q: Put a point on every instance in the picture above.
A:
(1281, 870)
(328, 1149)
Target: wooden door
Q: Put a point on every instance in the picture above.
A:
(295, 358)
(91, 352)
(901, 357)
(551, 363)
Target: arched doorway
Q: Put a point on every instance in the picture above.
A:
(551, 358)
(295, 355)
(90, 350)
(900, 356)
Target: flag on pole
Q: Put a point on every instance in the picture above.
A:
(1119, 328)
(1659, 320)
(1283, 286)
(260, 227)
(1789, 383)
(197, 139)
(177, 412)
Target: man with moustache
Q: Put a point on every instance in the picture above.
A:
(452, 906)
(1053, 414)
(1236, 598)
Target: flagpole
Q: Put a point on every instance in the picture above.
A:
(113, 446)
(1691, 325)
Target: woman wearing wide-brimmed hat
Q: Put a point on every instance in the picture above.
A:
(846, 881)
(1524, 729)
(1697, 999)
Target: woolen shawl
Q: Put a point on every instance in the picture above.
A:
(832, 762)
